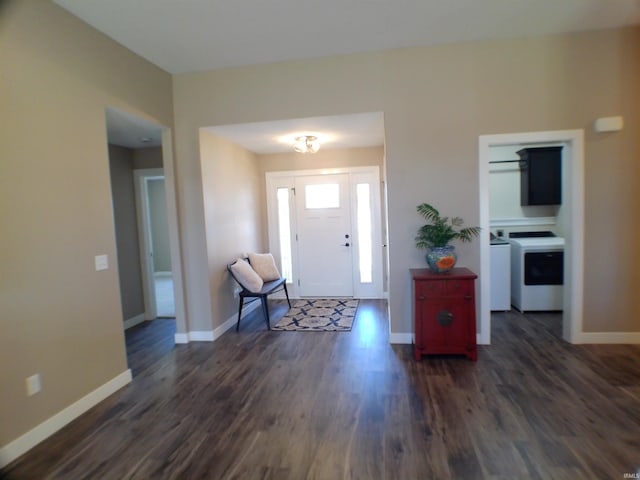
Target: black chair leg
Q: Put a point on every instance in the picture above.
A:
(239, 314)
(265, 309)
(286, 293)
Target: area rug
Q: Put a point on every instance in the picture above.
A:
(319, 315)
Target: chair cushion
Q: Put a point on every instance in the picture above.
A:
(265, 266)
(247, 276)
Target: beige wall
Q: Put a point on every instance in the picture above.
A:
(147, 158)
(233, 207)
(436, 102)
(336, 158)
(126, 225)
(58, 316)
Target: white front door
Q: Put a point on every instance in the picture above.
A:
(324, 239)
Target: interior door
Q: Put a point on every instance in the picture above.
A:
(323, 237)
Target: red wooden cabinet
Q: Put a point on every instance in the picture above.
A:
(444, 312)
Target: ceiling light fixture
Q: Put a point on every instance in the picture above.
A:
(306, 144)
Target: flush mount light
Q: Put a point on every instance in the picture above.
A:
(145, 139)
(306, 144)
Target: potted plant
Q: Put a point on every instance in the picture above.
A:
(437, 235)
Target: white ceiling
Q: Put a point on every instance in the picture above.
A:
(339, 131)
(199, 35)
(130, 131)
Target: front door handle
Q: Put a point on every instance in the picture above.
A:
(345, 245)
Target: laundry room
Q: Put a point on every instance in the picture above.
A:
(527, 227)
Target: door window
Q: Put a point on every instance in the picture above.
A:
(325, 195)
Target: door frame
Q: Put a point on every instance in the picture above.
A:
(286, 179)
(145, 240)
(573, 199)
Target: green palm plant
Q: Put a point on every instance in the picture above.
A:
(440, 231)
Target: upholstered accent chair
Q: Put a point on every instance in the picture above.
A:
(254, 286)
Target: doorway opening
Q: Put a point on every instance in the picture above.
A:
(325, 227)
(153, 237)
(140, 152)
(570, 216)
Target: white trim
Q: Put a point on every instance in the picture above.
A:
(181, 338)
(480, 340)
(521, 222)
(133, 321)
(573, 186)
(213, 335)
(282, 179)
(174, 235)
(141, 178)
(401, 338)
(27, 441)
(231, 321)
(201, 336)
(630, 338)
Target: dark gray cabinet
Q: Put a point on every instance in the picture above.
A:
(540, 175)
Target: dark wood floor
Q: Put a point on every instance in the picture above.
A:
(290, 405)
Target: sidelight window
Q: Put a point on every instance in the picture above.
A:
(363, 211)
(284, 232)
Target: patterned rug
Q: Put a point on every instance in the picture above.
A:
(319, 315)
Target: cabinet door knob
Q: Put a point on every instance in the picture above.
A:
(421, 297)
(467, 297)
(445, 318)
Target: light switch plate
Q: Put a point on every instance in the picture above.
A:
(102, 262)
(33, 384)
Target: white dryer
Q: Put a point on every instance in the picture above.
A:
(537, 273)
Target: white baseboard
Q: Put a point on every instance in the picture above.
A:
(217, 333)
(181, 338)
(133, 321)
(212, 335)
(27, 441)
(401, 338)
(201, 336)
(609, 337)
(482, 339)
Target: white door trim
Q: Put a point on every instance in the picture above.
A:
(141, 177)
(286, 179)
(573, 195)
(174, 232)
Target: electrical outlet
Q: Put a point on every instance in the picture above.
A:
(33, 384)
